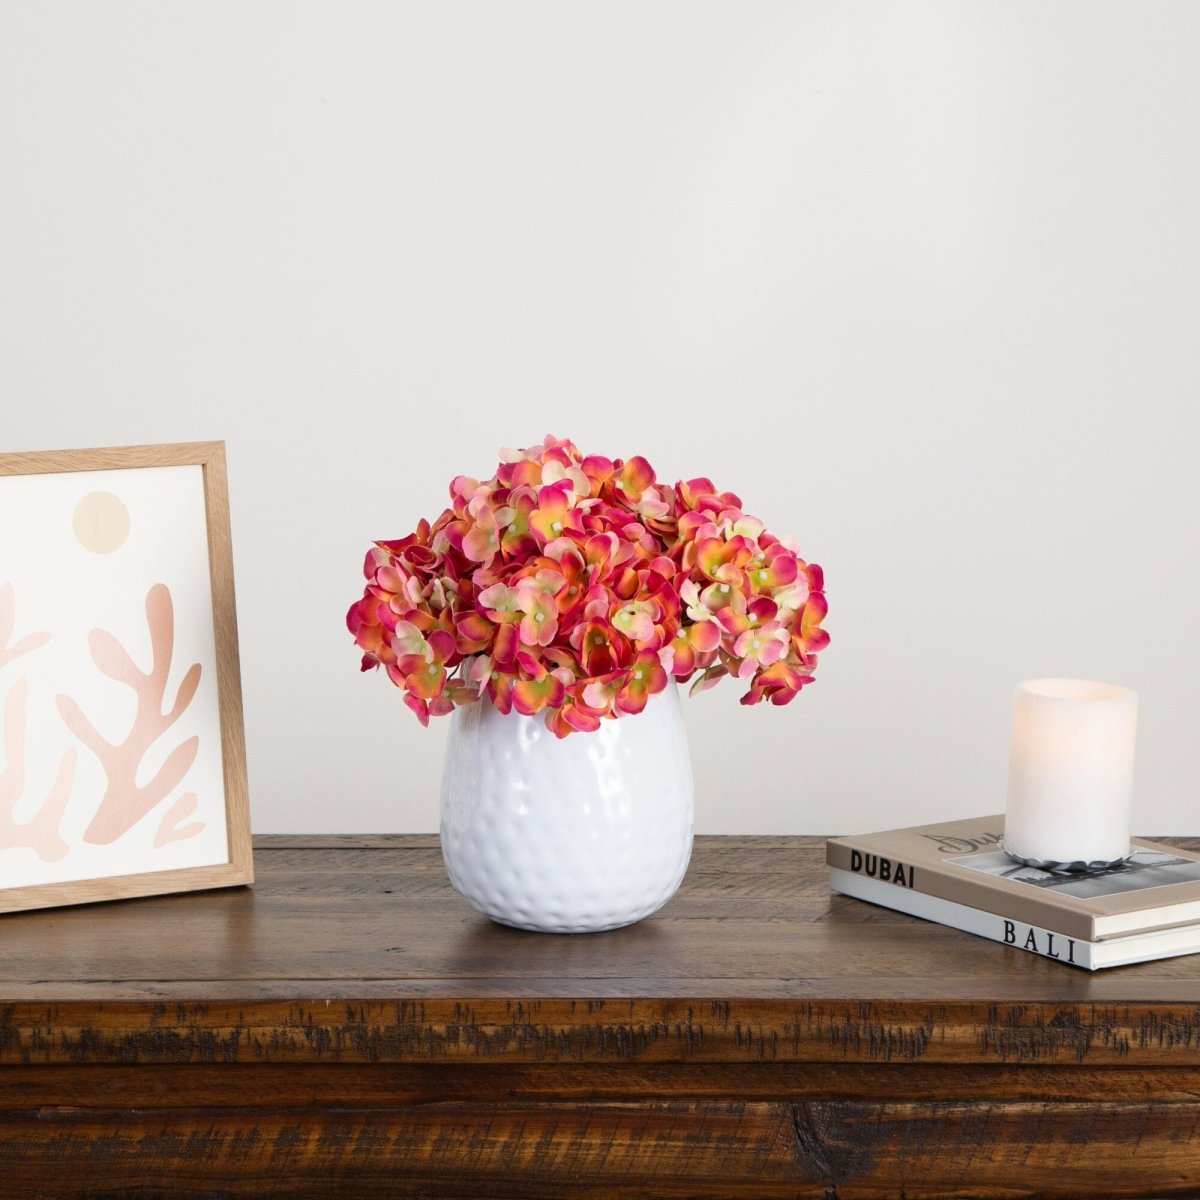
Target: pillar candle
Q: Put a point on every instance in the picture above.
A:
(1070, 781)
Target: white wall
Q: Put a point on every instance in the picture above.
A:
(920, 280)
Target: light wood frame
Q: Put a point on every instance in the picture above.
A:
(210, 456)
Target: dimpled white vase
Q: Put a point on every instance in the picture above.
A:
(567, 835)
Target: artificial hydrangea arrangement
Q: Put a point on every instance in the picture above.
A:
(578, 587)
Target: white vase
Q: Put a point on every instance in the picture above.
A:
(571, 835)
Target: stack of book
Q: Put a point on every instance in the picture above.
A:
(957, 873)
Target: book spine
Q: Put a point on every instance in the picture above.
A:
(934, 880)
(1021, 935)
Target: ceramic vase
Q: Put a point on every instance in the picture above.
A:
(572, 835)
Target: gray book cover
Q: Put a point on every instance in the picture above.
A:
(963, 861)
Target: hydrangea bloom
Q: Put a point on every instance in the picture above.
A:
(579, 587)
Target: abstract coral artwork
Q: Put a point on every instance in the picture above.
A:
(120, 722)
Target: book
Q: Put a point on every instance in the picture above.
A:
(1076, 952)
(963, 862)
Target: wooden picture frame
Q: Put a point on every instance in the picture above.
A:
(103, 558)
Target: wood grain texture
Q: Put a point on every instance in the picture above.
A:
(753, 921)
(229, 670)
(108, 458)
(383, 1085)
(580, 1031)
(842, 1149)
(350, 1027)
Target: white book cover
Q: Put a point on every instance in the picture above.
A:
(1092, 956)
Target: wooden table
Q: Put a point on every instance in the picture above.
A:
(350, 1028)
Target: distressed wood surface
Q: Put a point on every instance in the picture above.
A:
(385, 1085)
(359, 950)
(349, 1026)
(674, 1148)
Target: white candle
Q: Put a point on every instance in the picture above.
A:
(1070, 781)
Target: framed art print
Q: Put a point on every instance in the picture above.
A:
(122, 755)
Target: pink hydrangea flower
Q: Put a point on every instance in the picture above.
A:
(577, 587)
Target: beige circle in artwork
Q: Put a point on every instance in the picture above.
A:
(101, 522)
